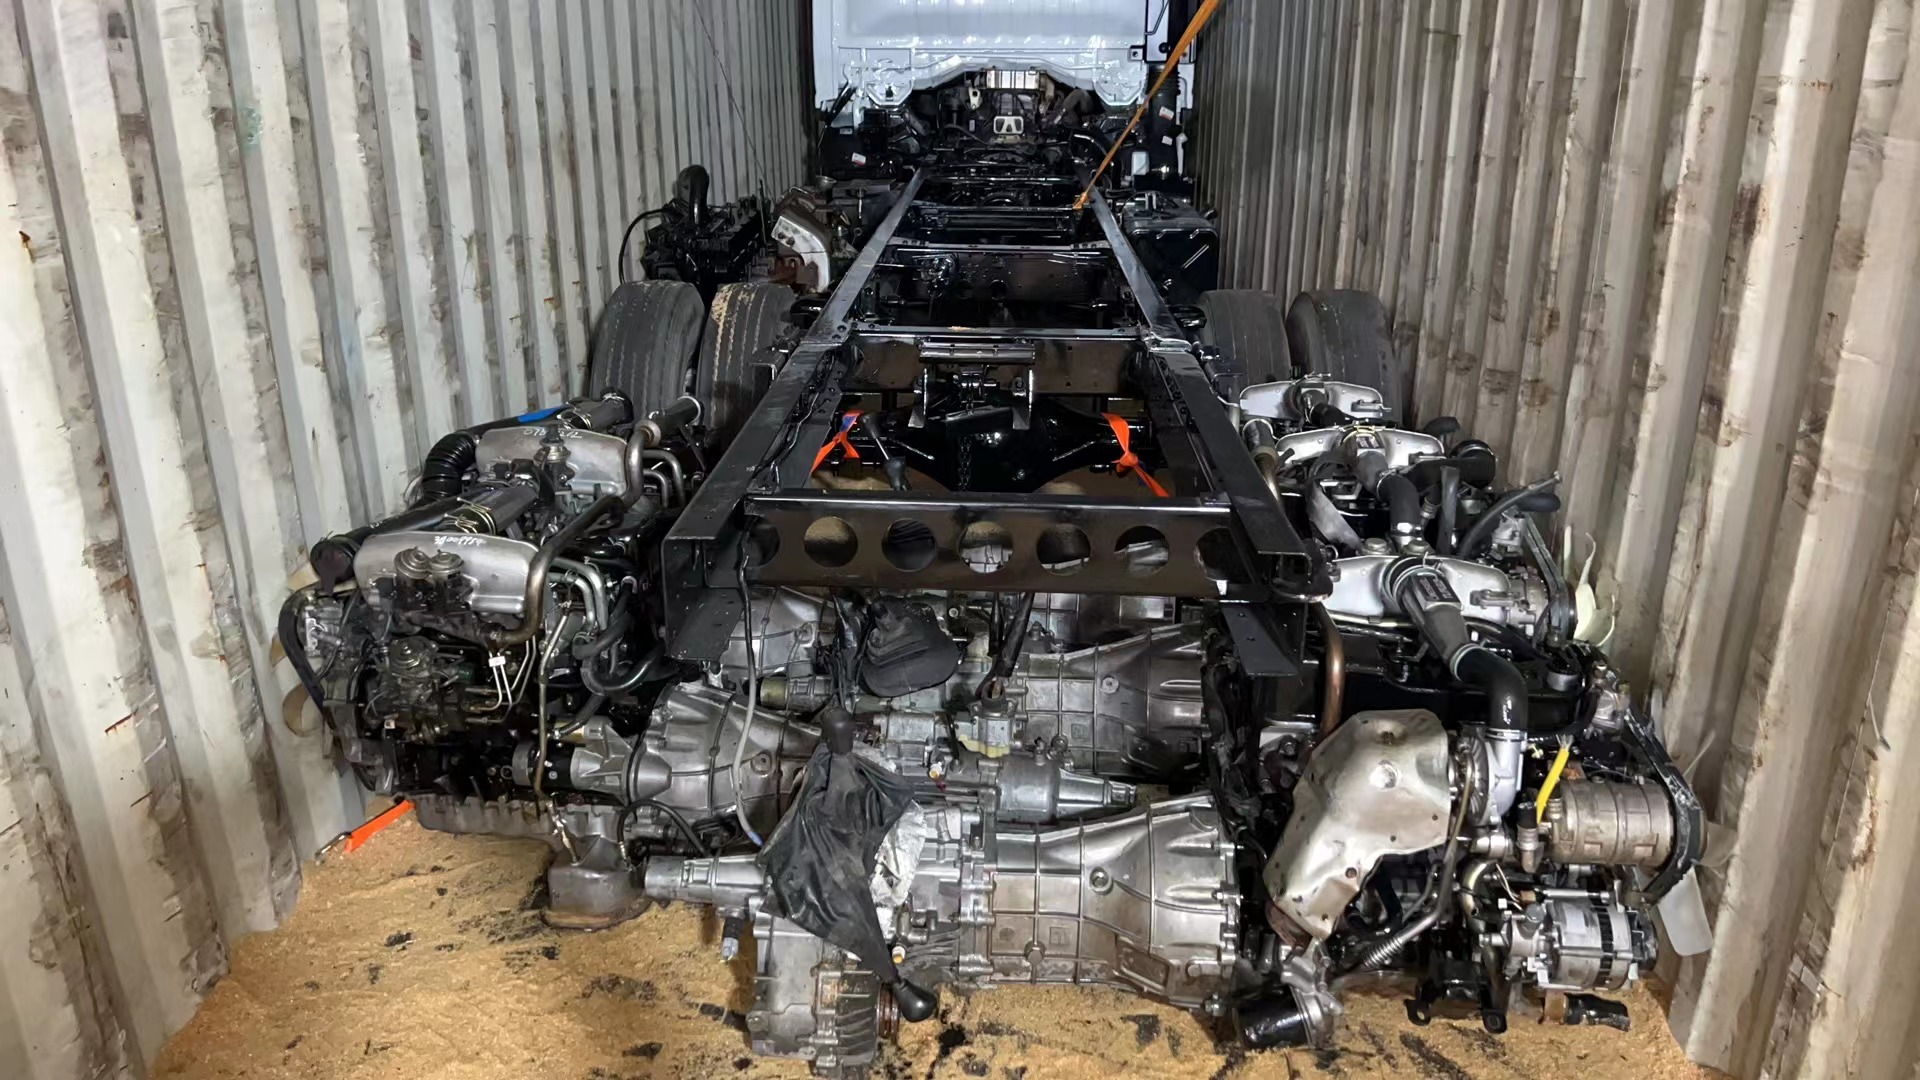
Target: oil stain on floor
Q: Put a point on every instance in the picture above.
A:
(424, 956)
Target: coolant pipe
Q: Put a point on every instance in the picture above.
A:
(674, 472)
(587, 711)
(621, 682)
(1333, 672)
(536, 594)
(634, 462)
(612, 631)
(592, 583)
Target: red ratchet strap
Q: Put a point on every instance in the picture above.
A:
(354, 838)
(1128, 459)
(847, 420)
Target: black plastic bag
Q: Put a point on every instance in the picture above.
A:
(819, 862)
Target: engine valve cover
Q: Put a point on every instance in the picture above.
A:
(495, 566)
(598, 460)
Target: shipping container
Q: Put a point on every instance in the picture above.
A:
(268, 250)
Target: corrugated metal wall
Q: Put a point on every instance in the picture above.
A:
(1671, 250)
(267, 251)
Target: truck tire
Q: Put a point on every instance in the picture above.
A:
(744, 331)
(1249, 327)
(1342, 333)
(646, 339)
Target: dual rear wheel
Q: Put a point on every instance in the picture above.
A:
(656, 341)
(1340, 333)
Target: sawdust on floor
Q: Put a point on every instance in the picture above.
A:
(423, 955)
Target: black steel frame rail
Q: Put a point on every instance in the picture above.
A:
(1225, 535)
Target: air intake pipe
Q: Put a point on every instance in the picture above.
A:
(1424, 596)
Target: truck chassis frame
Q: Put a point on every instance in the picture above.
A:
(1227, 538)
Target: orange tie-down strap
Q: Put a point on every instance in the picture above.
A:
(352, 839)
(1129, 460)
(847, 420)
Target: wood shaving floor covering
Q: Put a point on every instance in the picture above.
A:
(423, 955)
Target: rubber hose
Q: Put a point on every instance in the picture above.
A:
(446, 464)
(1476, 468)
(690, 187)
(1077, 102)
(626, 239)
(453, 455)
(296, 649)
(1508, 636)
(679, 822)
(1403, 505)
(1424, 598)
(585, 713)
(1496, 677)
(1483, 526)
(616, 683)
(616, 629)
(1325, 415)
